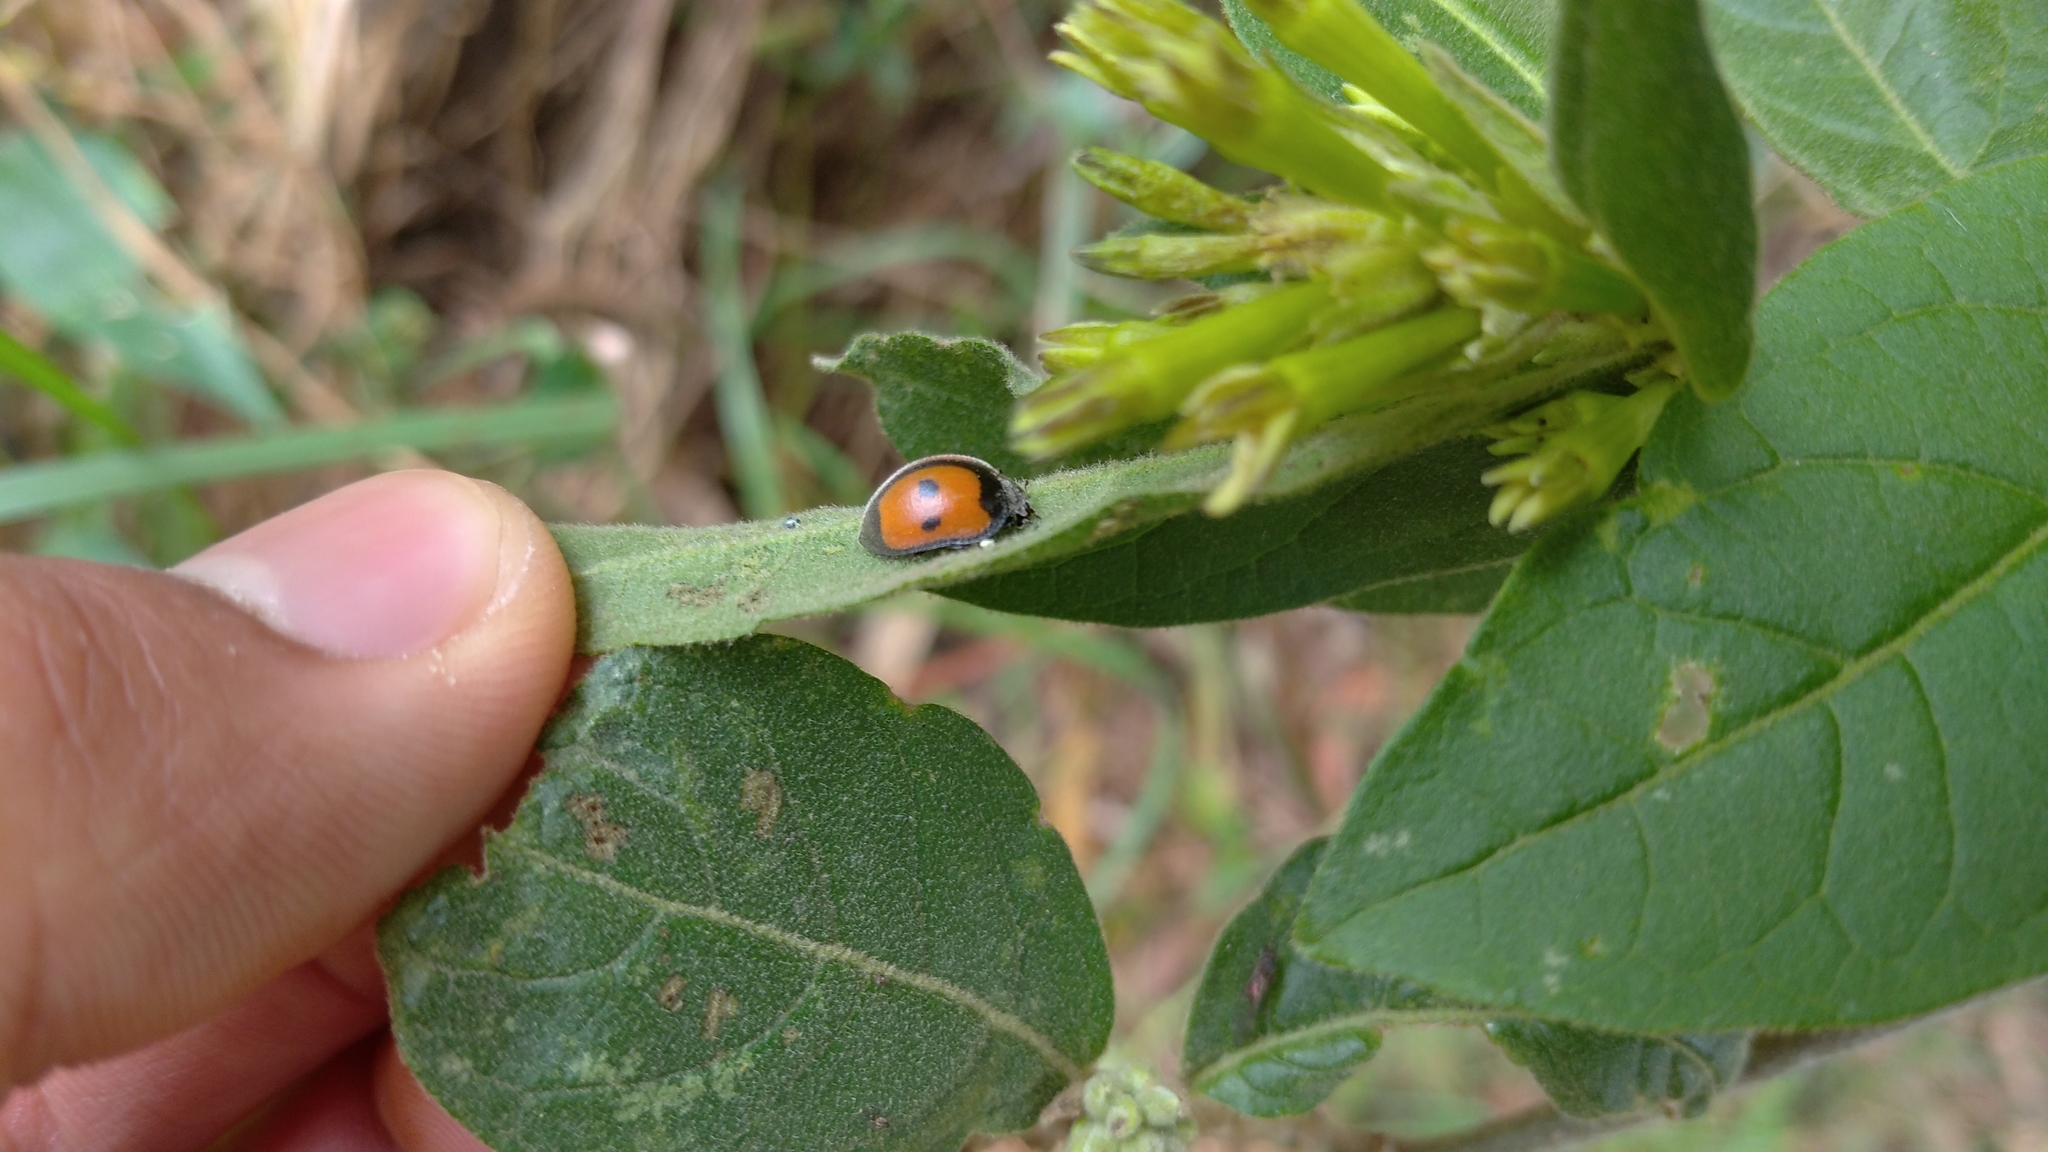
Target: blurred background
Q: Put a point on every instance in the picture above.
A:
(587, 249)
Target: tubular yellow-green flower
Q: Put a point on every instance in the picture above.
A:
(1147, 379)
(1188, 70)
(1162, 191)
(1341, 36)
(1263, 408)
(1576, 446)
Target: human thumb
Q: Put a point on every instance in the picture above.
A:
(214, 774)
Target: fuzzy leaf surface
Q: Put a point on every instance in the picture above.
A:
(1272, 1033)
(1764, 746)
(1588, 1073)
(644, 585)
(1404, 532)
(1885, 101)
(1258, 36)
(1646, 142)
(1505, 43)
(936, 394)
(753, 902)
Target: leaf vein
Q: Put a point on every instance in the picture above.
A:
(853, 958)
(1850, 674)
(1888, 94)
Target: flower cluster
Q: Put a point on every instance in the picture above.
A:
(1413, 251)
(1124, 1110)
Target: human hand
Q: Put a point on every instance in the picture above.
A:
(206, 807)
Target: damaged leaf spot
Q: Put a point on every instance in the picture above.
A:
(717, 1009)
(697, 595)
(602, 838)
(671, 994)
(761, 794)
(1687, 716)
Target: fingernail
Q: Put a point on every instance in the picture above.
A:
(389, 566)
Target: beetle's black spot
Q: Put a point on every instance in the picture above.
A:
(927, 487)
(931, 523)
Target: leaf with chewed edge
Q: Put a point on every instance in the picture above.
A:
(753, 902)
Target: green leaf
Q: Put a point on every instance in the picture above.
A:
(30, 490)
(1458, 590)
(1272, 1033)
(35, 370)
(1646, 143)
(1588, 1073)
(643, 585)
(1410, 523)
(954, 394)
(1763, 746)
(1886, 101)
(56, 254)
(1505, 43)
(936, 395)
(753, 901)
(1258, 37)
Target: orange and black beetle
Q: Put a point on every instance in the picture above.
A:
(940, 502)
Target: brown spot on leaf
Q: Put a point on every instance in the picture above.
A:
(761, 794)
(717, 1008)
(671, 994)
(754, 601)
(1687, 716)
(697, 595)
(602, 838)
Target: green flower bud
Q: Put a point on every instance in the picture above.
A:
(1076, 346)
(1123, 1110)
(1265, 408)
(1576, 447)
(1161, 1106)
(1492, 262)
(1343, 37)
(1327, 381)
(1162, 191)
(1147, 379)
(1189, 70)
(1171, 255)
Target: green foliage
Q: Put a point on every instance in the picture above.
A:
(753, 900)
(642, 585)
(1644, 139)
(57, 255)
(1760, 746)
(1885, 101)
(1505, 43)
(34, 369)
(1590, 1073)
(936, 395)
(1408, 525)
(35, 489)
(1261, 41)
(1272, 1032)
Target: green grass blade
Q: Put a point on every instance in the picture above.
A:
(31, 490)
(35, 370)
(743, 414)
